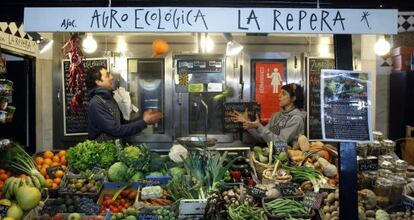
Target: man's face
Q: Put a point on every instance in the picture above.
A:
(106, 79)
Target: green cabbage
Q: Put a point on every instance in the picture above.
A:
(177, 172)
(135, 157)
(117, 172)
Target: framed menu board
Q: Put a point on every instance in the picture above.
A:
(313, 73)
(76, 124)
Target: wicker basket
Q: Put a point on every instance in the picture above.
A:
(259, 167)
(268, 179)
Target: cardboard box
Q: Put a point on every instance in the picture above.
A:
(109, 188)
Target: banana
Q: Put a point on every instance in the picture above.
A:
(36, 182)
(5, 202)
(10, 186)
(29, 181)
(7, 183)
(40, 178)
(16, 186)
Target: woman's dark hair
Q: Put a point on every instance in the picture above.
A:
(295, 90)
(93, 74)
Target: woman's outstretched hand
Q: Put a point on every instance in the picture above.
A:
(242, 117)
(252, 124)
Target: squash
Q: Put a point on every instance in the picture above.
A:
(159, 47)
(303, 142)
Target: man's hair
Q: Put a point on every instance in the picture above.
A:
(93, 74)
(295, 90)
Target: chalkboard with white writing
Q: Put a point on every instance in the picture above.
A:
(76, 124)
(314, 67)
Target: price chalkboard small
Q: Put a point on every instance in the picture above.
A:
(51, 171)
(369, 163)
(256, 192)
(328, 190)
(408, 203)
(313, 200)
(279, 147)
(252, 109)
(288, 189)
(147, 216)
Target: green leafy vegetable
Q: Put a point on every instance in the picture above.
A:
(135, 156)
(118, 172)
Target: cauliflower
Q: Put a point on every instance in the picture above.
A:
(175, 152)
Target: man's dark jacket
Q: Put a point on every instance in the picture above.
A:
(105, 119)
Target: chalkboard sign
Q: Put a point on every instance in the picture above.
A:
(76, 124)
(408, 203)
(314, 67)
(147, 216)
(256, 192)
(51, 171)
(252, 109)
(369, 163)
(313, 200)
(288, 189)
(327, 190)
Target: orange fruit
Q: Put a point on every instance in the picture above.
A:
(56, 159)
(62, 153)
(48, 154)
(48, 183)
(39, 160)
(63, 167)
(63, 160)
(2, 171)
(43, 171)
(39, 167)
(54, 164)
(57, 180)
(3, 177)
(45, 166)
(47, 161)
(1, 184)
(59, 173)
(54, 185)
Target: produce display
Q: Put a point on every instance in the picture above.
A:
(287, 207)
(212, 184)
(48, 159)
(121, 202)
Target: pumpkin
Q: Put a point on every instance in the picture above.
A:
(159, 47)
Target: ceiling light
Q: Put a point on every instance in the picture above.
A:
(233, 48)
(382, 46)
(206, 44)
(121, 45)
(89, 44)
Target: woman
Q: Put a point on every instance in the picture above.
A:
(284, 126)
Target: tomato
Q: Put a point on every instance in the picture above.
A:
(127, 205)
(125, 192)
(114, 210)
(132, 195)
(106, 203)
(107, 197)
(122, 201)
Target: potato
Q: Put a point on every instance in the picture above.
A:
(332, 208)
(335, 214)
(370, 214)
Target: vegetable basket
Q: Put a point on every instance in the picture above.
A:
(281, 217)
(269, 179)
(259, 167)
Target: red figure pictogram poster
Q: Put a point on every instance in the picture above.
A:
(269, 81)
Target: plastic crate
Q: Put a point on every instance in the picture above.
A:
(64, 189)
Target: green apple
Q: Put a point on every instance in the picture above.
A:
(74, 216)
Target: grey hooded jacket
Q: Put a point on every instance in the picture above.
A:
(282, 127)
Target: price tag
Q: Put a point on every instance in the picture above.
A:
(279, 147)
(196, 87)
(313, 200)
(328, 190)
(52, 170)
(256, 192)
(288, 189)
(369, 163)
(147, 216)
(408, 203)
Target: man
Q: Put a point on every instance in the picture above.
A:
(104, 117)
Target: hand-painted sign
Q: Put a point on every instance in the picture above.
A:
(181, 19)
